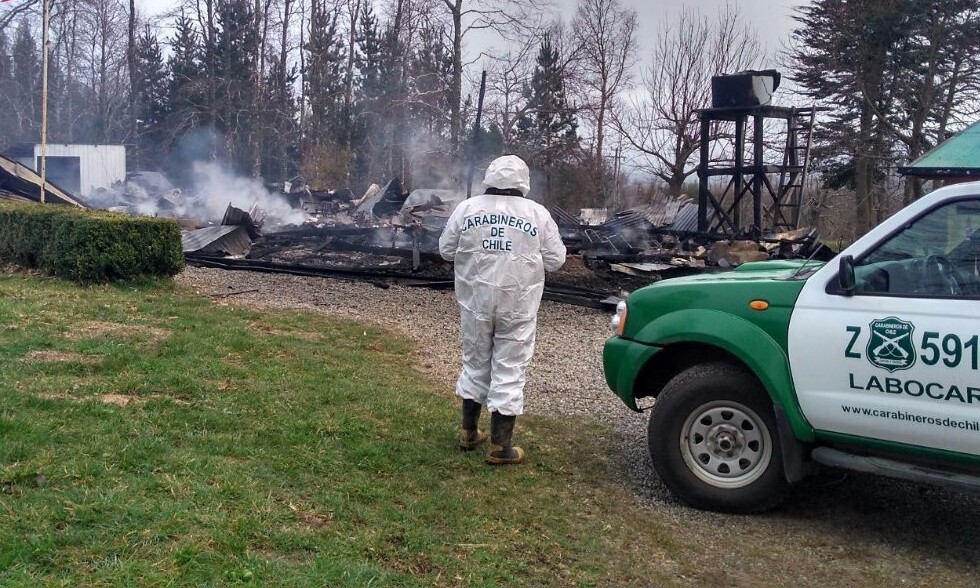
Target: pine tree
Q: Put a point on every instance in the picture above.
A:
(187, 110)
(26, 85)
(392, 107)
(236, 63)
(841, 62)
(893, 74)
(430, 79)
(937, 68)
(150, 100)
(280, 132)
(370, 114)
(547, 131)
(325, 155)
(429, 84)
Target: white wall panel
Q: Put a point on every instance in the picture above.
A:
(100, 165)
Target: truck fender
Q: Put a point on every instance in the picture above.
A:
(759, 352)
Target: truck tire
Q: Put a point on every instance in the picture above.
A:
(714, 443)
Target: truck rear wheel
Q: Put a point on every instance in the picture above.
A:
(713, 440)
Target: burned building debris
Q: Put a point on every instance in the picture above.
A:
(233, 237)
(221, 240)
(746, 208)
(381, 202)
(391, 235)
(388, 235)
(660, 239)
(20, 183)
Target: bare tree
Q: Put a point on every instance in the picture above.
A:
(507, 17)
(605, 31)
(17, 11)
(663, 125)
(131, 65)
(106, 22)
(507, 76)
(66, 50)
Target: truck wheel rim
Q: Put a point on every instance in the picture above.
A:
(726, 444)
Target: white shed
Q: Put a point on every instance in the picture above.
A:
(78, 169)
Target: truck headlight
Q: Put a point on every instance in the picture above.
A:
(618, 322)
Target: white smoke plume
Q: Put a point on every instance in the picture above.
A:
(214, 188)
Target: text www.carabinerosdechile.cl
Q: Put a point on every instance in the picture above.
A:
(901, 415)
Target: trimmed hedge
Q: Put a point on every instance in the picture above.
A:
(88, 246)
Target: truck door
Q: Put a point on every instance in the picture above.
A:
(898, 358)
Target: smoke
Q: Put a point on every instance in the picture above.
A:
(209, 188)
(214, 187)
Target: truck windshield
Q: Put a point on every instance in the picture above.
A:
(937, 255)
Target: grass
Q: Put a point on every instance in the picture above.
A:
(151, 438)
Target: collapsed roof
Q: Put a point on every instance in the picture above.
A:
(21, 183)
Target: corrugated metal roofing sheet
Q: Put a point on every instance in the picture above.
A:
(627, 218)
(227, 239)
(661, 212)
(562, 217)
(686, 218)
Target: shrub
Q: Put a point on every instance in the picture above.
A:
(88, 246)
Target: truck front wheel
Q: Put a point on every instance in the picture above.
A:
(713, 440)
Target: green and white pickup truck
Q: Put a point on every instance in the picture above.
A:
(870, 362)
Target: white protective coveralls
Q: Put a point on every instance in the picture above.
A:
(501, 246)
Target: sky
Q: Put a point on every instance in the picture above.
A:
(770, 18)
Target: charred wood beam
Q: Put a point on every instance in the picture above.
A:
(319, 233)
(382, 278)
(296, 269)
(407, 253)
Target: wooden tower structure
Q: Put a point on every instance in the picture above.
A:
(737, 161)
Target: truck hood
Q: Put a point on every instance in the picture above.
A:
(777, 282)
(782, 269)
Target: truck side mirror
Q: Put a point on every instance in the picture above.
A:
(845, 275)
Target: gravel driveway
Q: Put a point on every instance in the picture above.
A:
(837, 530)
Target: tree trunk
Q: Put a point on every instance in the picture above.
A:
(283, 88)
(456, 91)
(598, 169)
(131, 63)
(354, 8)
(261, 17)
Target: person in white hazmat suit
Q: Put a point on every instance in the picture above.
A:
(501, 244)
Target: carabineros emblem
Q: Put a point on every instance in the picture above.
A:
(891, 346)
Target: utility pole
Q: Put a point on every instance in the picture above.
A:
(476, 133)
(44, 96)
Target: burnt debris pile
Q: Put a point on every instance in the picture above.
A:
(390, 235)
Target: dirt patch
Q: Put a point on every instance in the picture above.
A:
(99, 329)
(122, 400)
(61, 356)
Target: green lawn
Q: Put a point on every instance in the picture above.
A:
(149, 437)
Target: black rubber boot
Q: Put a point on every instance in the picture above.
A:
(501, 431)
(470, 436)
